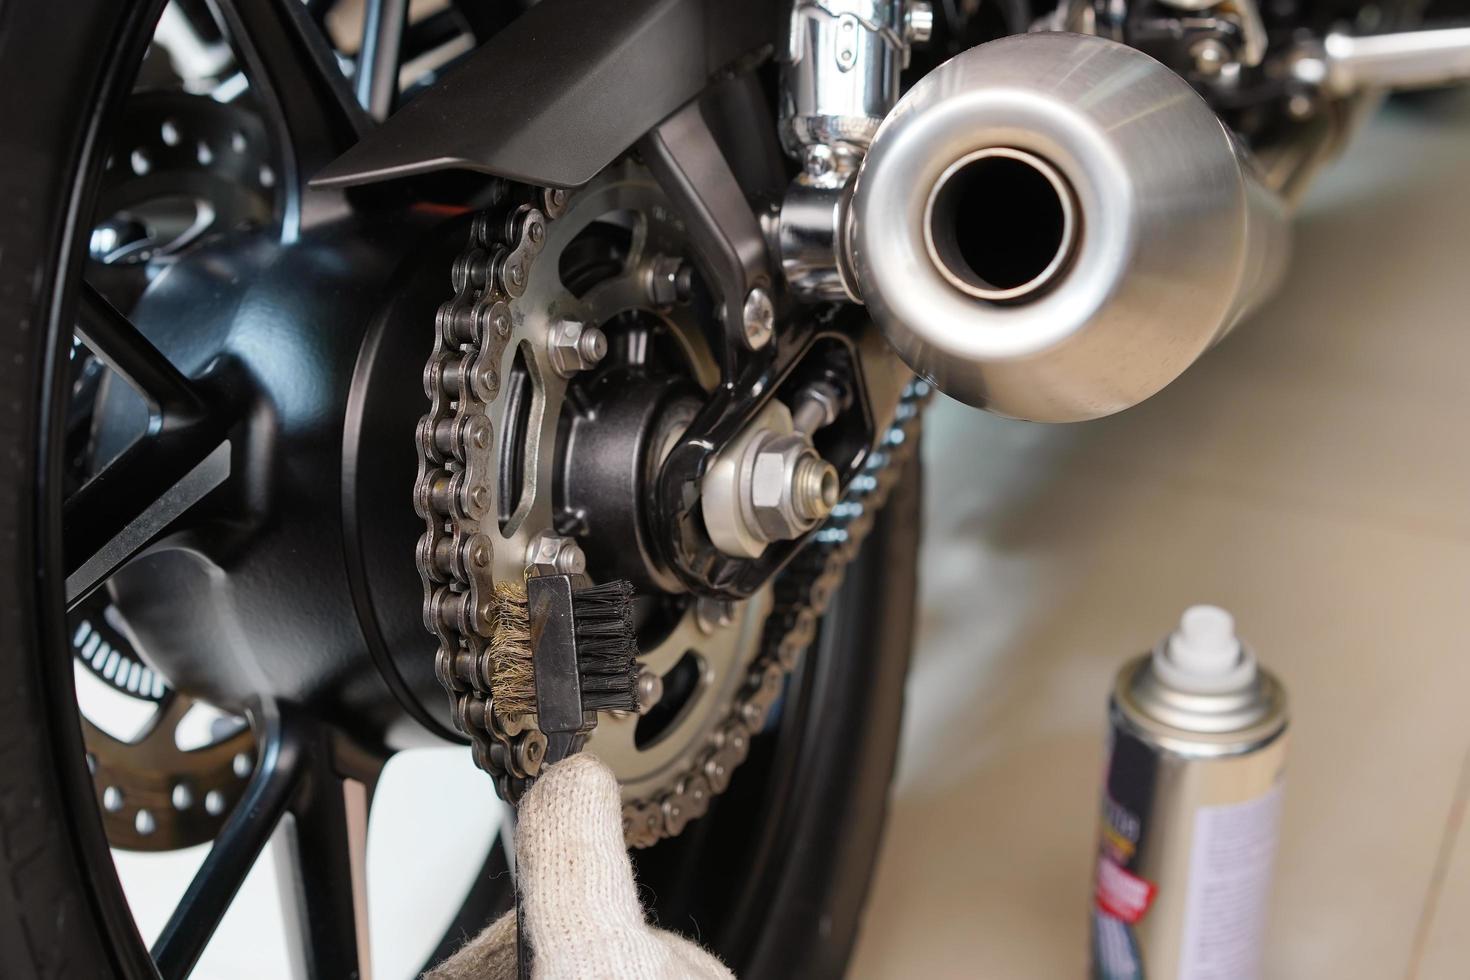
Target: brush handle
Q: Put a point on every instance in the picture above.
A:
(523, 939)
(554, 654)
(523, 942)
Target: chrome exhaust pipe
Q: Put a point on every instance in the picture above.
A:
(1054, 226)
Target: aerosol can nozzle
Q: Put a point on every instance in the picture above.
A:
(1203, 655)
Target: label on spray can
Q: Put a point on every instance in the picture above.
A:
(1229, 885)
(1122, 896)
(1191, 810)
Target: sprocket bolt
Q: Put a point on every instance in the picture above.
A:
(551, 554)
(575, 346)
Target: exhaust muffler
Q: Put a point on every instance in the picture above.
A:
(1054, 226)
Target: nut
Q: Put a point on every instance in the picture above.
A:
(575, 346)
(551, 554)
(668, 280)
(791, 488)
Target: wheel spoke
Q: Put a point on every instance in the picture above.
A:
(383, 25)
(295, 74)
(278, 769)
(118, 343)
(322, 870)
(136, 499)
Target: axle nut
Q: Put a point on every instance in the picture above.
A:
(791, 487)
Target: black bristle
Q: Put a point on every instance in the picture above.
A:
(607, 646)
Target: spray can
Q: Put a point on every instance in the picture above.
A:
(1191, 809)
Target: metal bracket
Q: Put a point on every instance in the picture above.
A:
(730, 249)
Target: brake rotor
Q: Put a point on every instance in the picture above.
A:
(182, 167)
(157, 796)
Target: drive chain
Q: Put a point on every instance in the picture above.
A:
(457, 463)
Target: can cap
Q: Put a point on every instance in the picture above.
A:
(1204, 655)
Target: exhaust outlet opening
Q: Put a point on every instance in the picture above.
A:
(1001, 224)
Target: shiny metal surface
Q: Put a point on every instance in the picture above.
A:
(1344, 65)
(839, 79)
(1175, 236)
(729, 514)
(1200, 725)
(1209, 751)
(810, 234)
(939, 226)
(575, 346)
(769, 484)
(758, 318)
(840, 73)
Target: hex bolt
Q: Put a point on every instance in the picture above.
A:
(575, 346)
(814, 487)
(759, 316)
(918, 21)
(551, 554)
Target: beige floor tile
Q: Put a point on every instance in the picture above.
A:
(1313, 475)
(1440, 943)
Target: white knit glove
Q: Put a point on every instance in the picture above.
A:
(580, 903)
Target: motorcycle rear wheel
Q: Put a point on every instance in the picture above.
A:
(772, 879)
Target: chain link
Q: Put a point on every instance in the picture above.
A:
(452, 493)
(455, 442)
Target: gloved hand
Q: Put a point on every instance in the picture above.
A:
(581, 906)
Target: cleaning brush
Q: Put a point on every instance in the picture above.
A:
(563, 649)
(563, 652)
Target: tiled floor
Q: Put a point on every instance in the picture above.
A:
(1313, 475)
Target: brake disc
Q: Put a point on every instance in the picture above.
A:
(181, 167)
(157, 794)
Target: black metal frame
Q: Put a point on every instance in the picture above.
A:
(563, 90)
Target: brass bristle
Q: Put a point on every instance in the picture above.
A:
(607, 649)
(513, 689)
